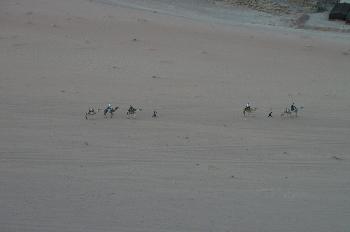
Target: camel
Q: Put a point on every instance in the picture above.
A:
(131, 113)
(248, 110)
(289, 113)
(91, 112)
(110, 111)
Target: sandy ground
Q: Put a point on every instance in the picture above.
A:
(200, 166)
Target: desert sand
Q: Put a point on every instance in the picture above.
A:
(200, 166)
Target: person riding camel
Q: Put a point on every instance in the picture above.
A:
(247, 107)
(109, 108)
(131, 109)
(292, 107)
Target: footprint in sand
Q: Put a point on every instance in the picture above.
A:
(165, 61)
(142, 20)
(346, 53)
(17, 45)
(336, 157)
(155, 77)
(308, 48)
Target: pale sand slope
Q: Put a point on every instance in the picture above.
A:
(199, 167)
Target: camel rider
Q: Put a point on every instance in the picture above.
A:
(292, 107)
(109, 108)
(247, 107)
(131, 109)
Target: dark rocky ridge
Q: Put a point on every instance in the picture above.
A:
(285, 6)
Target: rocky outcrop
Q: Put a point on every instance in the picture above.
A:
(267, 6)
(284, 7)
